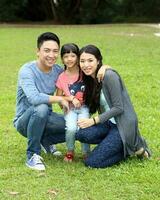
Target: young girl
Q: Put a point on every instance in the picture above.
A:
(70, 84)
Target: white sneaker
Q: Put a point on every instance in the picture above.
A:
(51, 149)
(35, 162)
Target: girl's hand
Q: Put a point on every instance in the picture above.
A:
(84, 123)
(101, 72)
(76, 103)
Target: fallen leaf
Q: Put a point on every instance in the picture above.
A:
(13, 192)
(53, 191)
(42, 174)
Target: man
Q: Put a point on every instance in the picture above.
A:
(34, 116)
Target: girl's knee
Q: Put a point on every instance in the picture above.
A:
(71, 130)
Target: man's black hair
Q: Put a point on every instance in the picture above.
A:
(45, 37)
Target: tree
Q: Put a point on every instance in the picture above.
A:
(11, 10)
(80, 11)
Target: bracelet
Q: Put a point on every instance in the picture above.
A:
(94, 120)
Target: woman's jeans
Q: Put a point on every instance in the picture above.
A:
(41, 126)
(71, 127)
(109, 150)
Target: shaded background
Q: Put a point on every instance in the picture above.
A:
(80, 11)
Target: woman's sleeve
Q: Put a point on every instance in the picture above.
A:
(112, 83)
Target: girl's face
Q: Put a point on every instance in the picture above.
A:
(70, 60)
(88, 64)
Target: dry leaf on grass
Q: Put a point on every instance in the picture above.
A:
(42, 174)
(53, 191)
(13, 193)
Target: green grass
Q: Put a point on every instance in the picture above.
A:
(134, 51)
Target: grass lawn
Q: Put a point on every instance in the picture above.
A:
(134, 51)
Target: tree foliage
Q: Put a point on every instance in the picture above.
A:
(80, 11)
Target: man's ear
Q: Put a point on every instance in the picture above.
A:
(37, 51)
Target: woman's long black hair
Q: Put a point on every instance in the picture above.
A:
(92, 86)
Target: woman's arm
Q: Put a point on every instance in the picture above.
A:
(101, 72)
(113, 87)
(113, 91)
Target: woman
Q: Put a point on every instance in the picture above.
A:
(115, 130)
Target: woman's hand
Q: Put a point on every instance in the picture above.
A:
(101, 72)
(84, 123)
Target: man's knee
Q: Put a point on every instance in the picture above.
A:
(41, 111)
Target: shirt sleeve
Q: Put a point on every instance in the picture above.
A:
(27, 82)
(112, 84)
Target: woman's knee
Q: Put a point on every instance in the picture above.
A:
(80, 135)
(89, 162)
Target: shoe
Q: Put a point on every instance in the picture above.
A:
(69, 157)
(35, 162)
(51, 149)
(142, 153)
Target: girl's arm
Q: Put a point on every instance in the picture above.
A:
(70, 98)
(113, 85)
(59, 92)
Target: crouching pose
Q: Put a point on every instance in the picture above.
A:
(115, 129)
(34, 116)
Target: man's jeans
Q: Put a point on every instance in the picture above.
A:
(41, 126)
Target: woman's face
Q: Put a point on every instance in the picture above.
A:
(88, 64)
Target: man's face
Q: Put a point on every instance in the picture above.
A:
(48, 54)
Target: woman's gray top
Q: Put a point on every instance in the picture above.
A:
(122, 110)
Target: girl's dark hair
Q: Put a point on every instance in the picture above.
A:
(92, 86)
(71, 48)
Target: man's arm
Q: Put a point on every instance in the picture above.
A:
(26, 81)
